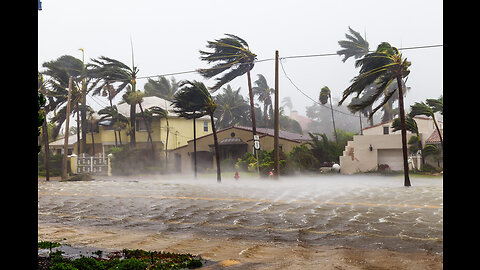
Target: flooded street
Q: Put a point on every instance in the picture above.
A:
(371, 213)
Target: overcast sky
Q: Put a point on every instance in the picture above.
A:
(167, 36)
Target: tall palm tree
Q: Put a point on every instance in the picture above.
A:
(162, 88)
(108, 71)
(323, 98)
(58, 73)
(264, 93)
(234, 57)
(115, 117)
(192, 98)
(232, 108)
(382, 67)
(420, 108)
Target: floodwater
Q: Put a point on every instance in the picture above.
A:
(372, 212)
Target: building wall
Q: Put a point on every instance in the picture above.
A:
(357, 156)
(181, 131)
(186, 152)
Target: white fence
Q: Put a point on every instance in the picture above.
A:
(88, 164)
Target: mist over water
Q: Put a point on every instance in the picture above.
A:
(358, 211)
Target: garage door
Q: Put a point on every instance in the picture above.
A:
(392, 157)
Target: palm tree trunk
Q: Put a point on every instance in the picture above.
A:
(404, 132)
(438, 130)
(93, 143)
(217, 152)
(194, 148)
(133, 142)
(333, 119)
(166, 146)
(79, 143)
(47, 149)
(148, 129)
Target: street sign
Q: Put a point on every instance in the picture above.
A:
(256, 138)
(256, 144)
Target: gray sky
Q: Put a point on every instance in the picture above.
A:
(168, 34)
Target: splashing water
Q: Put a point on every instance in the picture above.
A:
(357, 211)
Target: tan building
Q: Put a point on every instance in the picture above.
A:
(233, 143)
(380, 145)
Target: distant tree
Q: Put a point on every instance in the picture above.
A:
(162, 88)
(232, 108)
(323, 98)
(287, 102)
(264, 93)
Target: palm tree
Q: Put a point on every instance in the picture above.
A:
(323, 98)
(162, 88)
(232, 108)
(133, 98)
(56, 87)
(115, 117)
(382, 67)
(233, 56)
(106, 72)
(264, 93)
(162, 113)
(355, 46)
(420, 108)
(192, 98)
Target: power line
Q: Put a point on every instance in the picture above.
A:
(314, 101)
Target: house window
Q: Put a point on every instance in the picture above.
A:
(205, 126)
(385, 130)
(140, 125)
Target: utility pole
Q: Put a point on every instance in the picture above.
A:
(276, 125)
(67, 122)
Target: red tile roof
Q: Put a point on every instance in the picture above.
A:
(434, 138)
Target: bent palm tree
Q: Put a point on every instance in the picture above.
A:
(194, 97)
(382, 67)
(233, 56)
(108, 71)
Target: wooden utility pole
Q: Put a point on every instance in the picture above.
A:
(276, 151)
(67, 122)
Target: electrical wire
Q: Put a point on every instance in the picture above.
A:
(303, 93)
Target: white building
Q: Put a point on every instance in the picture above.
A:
(380, 145)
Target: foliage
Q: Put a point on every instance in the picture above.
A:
(232, 56)
(380, 67)
(355, 46)
(48, 244)
(247, 162)
(162, 88)
(232, 108)
(266, 159)
(54, 163)
(302, 158)
(326, 151)
(132, 260)
(41, 117)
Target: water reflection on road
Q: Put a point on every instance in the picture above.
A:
(358, 211)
